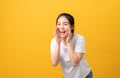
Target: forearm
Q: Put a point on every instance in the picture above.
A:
(73, 56)
(56, 55)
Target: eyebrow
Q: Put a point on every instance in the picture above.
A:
(63, 22)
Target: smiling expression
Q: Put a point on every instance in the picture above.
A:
(63, 26)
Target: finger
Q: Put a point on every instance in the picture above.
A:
(57, 33)
(55, 30)
(69, 33)
(69, 30)
(58, 30)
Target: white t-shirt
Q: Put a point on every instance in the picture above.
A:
(82, 69)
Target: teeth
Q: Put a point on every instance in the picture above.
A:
(62, 31)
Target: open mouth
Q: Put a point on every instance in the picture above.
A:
(62, 32)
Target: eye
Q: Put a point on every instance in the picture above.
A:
(65, 24)
(58, 23)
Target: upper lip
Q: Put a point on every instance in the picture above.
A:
(62, 31)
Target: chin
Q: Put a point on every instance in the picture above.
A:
(63, 36)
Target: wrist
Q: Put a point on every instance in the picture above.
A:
(69, 44)
(57, 43)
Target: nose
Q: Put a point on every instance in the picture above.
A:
(61, 26)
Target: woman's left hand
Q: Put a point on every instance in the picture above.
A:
(69, 36)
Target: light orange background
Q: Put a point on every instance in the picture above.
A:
(26, 30)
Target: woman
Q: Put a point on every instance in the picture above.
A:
(68, 48)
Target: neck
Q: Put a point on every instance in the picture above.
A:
(64, 41)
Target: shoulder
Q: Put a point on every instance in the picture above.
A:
(78, 37)
(53, 40)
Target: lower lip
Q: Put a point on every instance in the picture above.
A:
(62, 33)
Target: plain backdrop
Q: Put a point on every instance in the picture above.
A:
(26, 30)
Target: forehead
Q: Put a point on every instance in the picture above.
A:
(63, 19)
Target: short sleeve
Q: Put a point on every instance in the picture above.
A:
(80, 44)
(52, 45)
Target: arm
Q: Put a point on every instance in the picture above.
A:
(74, 57)
(55, 56)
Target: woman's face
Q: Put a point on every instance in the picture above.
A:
(63, 26)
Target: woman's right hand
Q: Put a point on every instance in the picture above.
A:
(57, 35)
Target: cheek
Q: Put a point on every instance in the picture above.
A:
(66, 27)
(57, 26)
